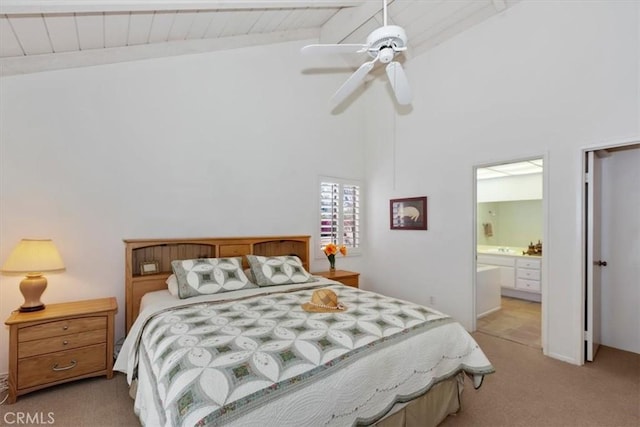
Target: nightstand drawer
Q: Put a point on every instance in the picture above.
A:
(61, 343)
(48, 368)
(350, 281)
(62, 327)
(345, 277)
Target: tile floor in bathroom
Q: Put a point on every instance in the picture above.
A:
(518, 320)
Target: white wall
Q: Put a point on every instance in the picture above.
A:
(543, 78)
(223, 144)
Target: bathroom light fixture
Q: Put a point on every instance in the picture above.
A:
(33, 256)
(509, 169)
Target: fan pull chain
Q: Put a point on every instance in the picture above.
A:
(393, 156)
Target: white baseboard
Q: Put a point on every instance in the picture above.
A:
(488, 312)
(563, 358)
(517, 293)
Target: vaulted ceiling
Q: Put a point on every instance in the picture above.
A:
(38, 35)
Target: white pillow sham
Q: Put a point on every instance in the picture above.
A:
(209, 276)
(278, 270)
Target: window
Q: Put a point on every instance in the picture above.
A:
(340, 220)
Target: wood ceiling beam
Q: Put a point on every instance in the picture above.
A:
(91, 57)
(15, 7)
(346, 21)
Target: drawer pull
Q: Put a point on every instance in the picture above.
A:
(65, 368)
(65, 327)
(65, 342)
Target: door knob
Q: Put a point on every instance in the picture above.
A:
(601, 263)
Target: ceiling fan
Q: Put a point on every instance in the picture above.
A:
(383, 44)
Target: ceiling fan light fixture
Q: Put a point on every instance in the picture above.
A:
(391, 36)
(386, 55)
(382, 45)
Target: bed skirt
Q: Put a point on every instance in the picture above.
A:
(430, 409)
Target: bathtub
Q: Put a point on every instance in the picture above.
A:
(487, 289)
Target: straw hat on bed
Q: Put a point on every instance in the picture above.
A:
(323, 301)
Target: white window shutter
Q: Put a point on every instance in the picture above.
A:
(339, 212)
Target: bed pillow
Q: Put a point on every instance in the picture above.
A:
(172, 285)
(278, 270)
(209, 276)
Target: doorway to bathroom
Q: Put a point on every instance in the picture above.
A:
(509, 248)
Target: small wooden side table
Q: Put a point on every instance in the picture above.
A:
(64, 342)
(349, 278)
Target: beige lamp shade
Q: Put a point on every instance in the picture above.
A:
(33, 256)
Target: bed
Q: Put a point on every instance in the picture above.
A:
(253, 355)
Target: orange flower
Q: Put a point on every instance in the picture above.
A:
(330, 249)
(333, 249)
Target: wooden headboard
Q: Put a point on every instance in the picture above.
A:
(163, 251)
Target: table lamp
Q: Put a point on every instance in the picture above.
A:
(33, 256)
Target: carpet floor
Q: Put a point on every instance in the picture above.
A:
(532, 390)
(527, 389)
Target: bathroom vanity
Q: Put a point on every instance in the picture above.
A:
(520, 275)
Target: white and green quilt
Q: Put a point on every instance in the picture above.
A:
(262, 360)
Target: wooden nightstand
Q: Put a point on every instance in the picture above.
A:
(62, 343)
(345, 277)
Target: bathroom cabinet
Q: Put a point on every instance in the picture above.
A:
(528, 274)
(520, 276)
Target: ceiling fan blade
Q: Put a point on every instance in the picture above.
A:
(399, 83)
(352, 83)
(325, 49)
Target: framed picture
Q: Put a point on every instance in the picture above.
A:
(149, 267)
(408, 214)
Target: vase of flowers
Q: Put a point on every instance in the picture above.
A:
(331, 250)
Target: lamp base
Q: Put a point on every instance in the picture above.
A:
(30, 309)
(32, 288)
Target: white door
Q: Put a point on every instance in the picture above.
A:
(593, 262)
(620, 245)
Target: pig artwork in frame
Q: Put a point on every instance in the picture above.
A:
(408, 213)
